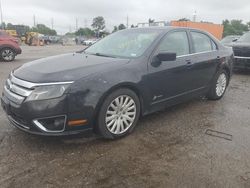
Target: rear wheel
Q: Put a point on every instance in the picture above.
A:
(7, 54)
(219, 86)
(118, 114)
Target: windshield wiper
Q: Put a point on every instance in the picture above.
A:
(104, 55)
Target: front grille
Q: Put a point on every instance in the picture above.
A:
(18, 123)
(242, 51)
(19, 119)
(242, 63)
(16, 90)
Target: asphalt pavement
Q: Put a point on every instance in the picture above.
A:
(196, 144)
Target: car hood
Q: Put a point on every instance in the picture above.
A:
(241, 44)
(66, 67)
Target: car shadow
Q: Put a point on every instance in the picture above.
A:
(92, 139)
(242, 72)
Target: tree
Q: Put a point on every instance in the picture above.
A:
(248, 24)
(150, 21)
(98, 23)
(9, 26)
(70, 34)
(184, 20)
(43, 29)
(3, 25)
(115, 29)
(234, 27)
(84, 32)
(121, 27)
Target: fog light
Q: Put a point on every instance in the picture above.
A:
(52, 124)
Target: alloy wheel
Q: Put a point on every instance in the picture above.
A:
(221, 85)
(8, 55)
(120, 114)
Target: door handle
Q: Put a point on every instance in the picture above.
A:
(189, 63)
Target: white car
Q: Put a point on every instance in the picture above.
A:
(89, 42)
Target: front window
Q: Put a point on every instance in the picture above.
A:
(245, 38)
(125, 44)
(176, 42)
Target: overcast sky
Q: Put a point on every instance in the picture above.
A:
(65, 12)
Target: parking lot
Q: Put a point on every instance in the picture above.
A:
(167, 149)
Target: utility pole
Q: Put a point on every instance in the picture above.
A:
(2, 26)
(194, 16)
(76, 24)
(85, 23)
(52, 23)
(34, 20)
(127, 21)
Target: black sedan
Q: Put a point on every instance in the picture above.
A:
(108, 86)
(241, 50)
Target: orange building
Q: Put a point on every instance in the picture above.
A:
(215, 29)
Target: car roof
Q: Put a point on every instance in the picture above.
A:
(167, 28)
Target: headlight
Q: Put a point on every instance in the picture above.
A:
(47, 92)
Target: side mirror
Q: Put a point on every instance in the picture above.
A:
(163, 56)
(166, 56)
(234, 40)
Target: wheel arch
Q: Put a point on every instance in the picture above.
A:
(8, 46)
(228, 70)
(126, 85)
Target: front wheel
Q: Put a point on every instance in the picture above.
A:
(118, 114)
(219, 86)
(7, 54)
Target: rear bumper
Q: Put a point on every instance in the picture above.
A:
(241, 62)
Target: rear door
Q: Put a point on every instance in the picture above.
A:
(205, 58)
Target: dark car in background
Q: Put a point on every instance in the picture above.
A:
(9, 47)
(227, 41)
(241, 50)
(108, 86)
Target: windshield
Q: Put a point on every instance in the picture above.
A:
(245, 38)
(125, 44)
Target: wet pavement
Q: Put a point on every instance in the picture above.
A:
(171, 148)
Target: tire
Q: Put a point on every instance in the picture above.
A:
(116, 120)
(219, 86)
(7, 54)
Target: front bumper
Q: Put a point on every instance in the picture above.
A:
(18, 51)
(241, 62)
(46, 117)
(23, 117)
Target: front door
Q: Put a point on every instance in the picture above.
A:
(172, 78)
